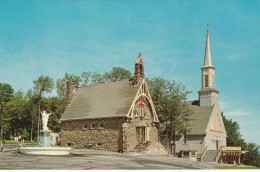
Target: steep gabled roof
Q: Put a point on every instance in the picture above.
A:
(102, 101)
(200, 118)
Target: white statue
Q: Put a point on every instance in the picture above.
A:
(45, 118)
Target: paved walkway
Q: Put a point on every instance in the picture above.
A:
(82, 159)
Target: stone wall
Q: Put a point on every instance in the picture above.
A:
(139, 69)
(69, 93)
(118, 134)
(80, 134)
(134, 132)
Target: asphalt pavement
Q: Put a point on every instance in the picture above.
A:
(86, 159)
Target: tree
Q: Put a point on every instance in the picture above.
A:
(6, 92)
(31, 111)
(252, 157)
(234, 138)
(42, 85)
(117, 74)
(169, 100)
(97, 78)
(61, 84)
(15, 116)
(86, 78)
(56, 107)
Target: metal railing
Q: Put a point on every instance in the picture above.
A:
(203, 153)
(218, 155)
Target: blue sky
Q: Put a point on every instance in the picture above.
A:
(54, 37)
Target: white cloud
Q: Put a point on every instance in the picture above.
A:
(238, 112)
(233, 109)
(237, 56)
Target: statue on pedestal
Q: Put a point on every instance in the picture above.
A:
(45, 118)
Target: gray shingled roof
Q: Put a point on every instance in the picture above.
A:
(101, 101)
(200, 117)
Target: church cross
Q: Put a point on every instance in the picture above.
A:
(142, 105)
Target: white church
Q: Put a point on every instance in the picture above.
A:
(206, 141)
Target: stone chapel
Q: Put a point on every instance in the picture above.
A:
(116, 116)
(206, 139)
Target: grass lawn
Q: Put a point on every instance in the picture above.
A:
(237, 167)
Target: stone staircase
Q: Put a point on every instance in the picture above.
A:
(209, 156)
(141, 147)
(151, 149)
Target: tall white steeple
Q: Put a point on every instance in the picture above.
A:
(207, 57)
(208, 95)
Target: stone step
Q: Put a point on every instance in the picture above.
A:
(210, 156)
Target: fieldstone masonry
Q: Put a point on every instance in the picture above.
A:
(117, 134)
(81, 134)
(69, 93)
(139, 69)
(84, 125)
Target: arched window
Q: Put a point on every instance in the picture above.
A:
(101, 125)
(145, 114)
(93, 126)
(85, 126)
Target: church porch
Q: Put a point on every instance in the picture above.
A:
(229, 155)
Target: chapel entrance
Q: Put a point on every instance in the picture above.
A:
(143, 132)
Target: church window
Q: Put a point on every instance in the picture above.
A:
(93, 126)
(101, 126)
(206, 80)
(186, 153)
(85, 126)
(135, 113)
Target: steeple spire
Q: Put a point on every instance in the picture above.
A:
(207, 57)
(208, 95)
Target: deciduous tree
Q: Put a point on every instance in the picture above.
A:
(169, 100)
(61, 84)
(117, 74)
(44, 84)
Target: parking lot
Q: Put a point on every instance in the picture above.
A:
(85, 159)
